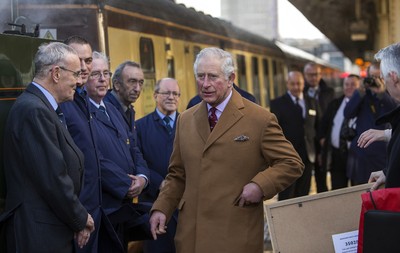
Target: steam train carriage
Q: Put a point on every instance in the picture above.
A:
(165, 38)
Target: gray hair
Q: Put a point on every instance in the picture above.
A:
(227, 67)
(117, 77)
(390, 59)
(158, 83)
(50, 54)
(101, 56)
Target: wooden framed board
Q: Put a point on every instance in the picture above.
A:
(306, 224)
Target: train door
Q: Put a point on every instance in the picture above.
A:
(256, 79)
(241, 71)
(267, 82)
(148, 66)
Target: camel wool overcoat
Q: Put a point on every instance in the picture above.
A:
(208, 171)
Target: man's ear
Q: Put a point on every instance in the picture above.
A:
(55, 73)
(116, 85)
(395, 78)
(232, 78)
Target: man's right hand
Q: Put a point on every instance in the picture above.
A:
(157, 224)
(83, 236)
(378, 177)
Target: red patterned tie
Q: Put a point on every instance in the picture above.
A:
(212, 119)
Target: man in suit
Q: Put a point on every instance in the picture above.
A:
(156, 134)
(332, 139)
(80, 127)
(44, 167)
(315, 87)
(123, 179)
(197, 99)
(297, 115)
(218, 179)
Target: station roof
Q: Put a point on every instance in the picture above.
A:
(339, 20)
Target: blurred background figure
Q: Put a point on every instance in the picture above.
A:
(297, 115)
(367, 104)
(315, 87)
(331, 134)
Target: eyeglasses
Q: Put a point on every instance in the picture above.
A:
(313, 74)
(75, 73)
(169, 93)
(98, 74)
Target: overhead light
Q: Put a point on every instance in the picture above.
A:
(358, 36)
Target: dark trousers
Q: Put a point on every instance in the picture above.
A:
(320, 178)
(338, 169)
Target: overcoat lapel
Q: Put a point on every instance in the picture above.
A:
(201, 119)
(229, 117)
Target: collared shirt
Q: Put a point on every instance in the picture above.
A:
(337, 124)
(172, 117)
(313, 92)
(221, 106)
(47, 94)
(96, 104)
(301, 102)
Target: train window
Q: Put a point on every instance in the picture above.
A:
(171, 67)
(196, 51)
(276, 77)
(266, 81)
(256, 79)
(241, 70)
(147, 55)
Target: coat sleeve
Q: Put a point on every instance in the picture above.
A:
(48, 169)
(284, 165)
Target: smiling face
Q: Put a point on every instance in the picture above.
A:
(167, 97)
(99, 81)
(212, 84)
(67, 81)
(85, 58)
(295, 83)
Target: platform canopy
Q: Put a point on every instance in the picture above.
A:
(350, 24)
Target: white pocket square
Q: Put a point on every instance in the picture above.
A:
(241, 138)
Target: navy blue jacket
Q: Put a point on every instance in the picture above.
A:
(79, 125)
(367, 108)
(110, 98)
(121, 156)
(156, 145)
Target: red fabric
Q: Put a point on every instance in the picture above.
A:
(385, 199)
(212, 118)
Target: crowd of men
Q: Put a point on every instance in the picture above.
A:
(84, 176)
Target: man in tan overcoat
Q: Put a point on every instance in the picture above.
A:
(219, 177)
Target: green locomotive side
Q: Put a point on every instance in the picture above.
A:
(16, 72)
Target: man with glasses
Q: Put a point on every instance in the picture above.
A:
(44, 168)
(156, 134)
(123, 179)
(315, 87)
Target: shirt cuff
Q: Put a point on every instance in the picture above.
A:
(388, 134)
(147, 180)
